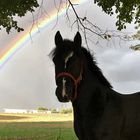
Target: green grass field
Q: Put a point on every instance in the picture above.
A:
(36, 127)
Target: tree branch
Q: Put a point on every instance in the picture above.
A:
(104, 34)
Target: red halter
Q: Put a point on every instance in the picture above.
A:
(76, 81)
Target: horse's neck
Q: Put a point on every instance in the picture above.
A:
(88, 94)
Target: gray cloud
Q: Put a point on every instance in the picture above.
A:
(121, 67)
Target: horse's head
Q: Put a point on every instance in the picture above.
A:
(68, 67)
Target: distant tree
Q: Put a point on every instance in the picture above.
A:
(40, 109)
(54, 111)
(66, 111)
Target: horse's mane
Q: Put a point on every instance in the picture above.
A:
(58, 51)
(94, 68)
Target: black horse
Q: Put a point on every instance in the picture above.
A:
(100, 113)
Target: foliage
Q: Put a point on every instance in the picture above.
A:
(126, 10)
(135, 47)
(42, 109)
(9, 9)
(54, 111)
(66, 111)
(137, 35)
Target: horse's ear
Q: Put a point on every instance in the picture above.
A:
(58, 39)
(78, 39)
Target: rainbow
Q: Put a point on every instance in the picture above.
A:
(23, 38)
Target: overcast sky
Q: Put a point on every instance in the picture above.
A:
(27, 79)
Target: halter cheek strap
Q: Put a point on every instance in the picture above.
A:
(76, 81)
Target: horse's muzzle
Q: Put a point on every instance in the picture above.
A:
(65, 92)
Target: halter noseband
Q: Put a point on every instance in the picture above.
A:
(75, 80)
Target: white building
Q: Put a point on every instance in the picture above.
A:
(6, 110)
(33, 111)
(48, 112)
